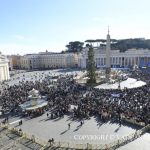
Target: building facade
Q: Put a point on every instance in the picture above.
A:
(47, 60)
(14, 61)
(30, 61)
(4, 68)
(129, 58)
(104, 58)
(10, 63)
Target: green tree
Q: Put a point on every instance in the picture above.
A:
(90, 42)
(91, 66)
(75, 46)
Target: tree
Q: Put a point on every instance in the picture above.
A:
(114, 41)
(75, 46)
(91, 66)
(91, 42)
(62, 51)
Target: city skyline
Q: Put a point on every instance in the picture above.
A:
(34, 26)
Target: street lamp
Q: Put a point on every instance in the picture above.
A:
(119, 83)
(119, 79)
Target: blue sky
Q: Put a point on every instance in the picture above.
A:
(31, 26)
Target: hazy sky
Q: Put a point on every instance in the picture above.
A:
(29, 26)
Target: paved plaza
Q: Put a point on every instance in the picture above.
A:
(58, 129)
(92, 131)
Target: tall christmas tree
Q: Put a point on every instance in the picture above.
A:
(91, 66)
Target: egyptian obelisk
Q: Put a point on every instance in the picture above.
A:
(108, 52)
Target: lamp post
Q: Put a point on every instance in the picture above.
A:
(119, 82)
(119, 79)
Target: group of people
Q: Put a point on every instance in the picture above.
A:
(112, 104)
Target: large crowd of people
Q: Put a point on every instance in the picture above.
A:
(112, 104)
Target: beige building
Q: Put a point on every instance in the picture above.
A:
(30, 61)
(4, 69)
(58, 60)
(47, 60)
(14, 61)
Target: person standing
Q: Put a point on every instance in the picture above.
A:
(50, 142)
(7, 119)
(81, 123)
(47, 115)
(68, 126)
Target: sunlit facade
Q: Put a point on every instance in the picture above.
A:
(47, 60)
(4, 68)
(128, 58)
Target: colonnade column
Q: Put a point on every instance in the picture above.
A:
(3, 73)
(134, 60)
(121, 61)
(138, 61)
(7, 72)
